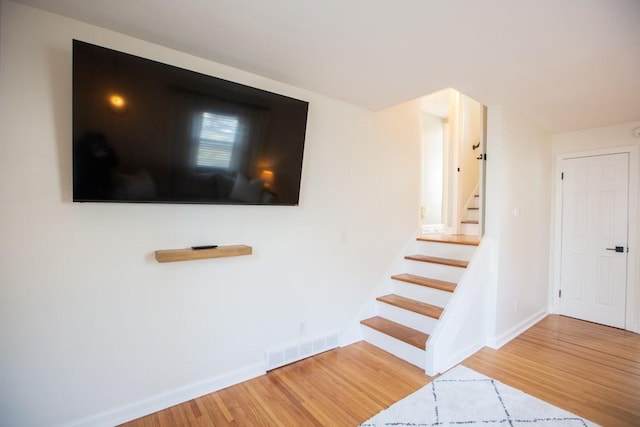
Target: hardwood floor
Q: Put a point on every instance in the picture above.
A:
(590, 370)
(343, 387)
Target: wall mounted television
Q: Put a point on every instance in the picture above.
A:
(144, 131)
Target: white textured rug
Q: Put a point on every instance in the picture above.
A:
(465, 397)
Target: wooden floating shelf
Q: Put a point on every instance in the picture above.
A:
(188, 254)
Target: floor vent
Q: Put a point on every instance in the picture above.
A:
(280, 356)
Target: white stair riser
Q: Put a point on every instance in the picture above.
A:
(473, 214)
(407, 318)
(421, 293)
(434, 271)
(445, 250)
(404, 351)
(474, 202)
(470, 229)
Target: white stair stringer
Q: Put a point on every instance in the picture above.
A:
(461, 329)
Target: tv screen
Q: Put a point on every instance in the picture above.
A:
(144, 131)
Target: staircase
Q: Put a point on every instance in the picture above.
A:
(470, 224)
(407, 316)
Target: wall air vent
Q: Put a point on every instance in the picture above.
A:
(310, 346)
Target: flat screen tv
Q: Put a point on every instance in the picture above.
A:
(144, 131)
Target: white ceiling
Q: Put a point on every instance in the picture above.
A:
(437, 103)
(566, 64)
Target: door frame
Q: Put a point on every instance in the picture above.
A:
(632, 318)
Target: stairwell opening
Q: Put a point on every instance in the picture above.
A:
(454, 152)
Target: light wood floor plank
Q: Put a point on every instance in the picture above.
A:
(590, 370)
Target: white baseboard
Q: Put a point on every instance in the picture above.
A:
(170, 398)
(496, 342)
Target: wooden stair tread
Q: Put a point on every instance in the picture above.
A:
(425, 281)
(396, 330)
(470, 221)
(438, 260)
(473, 209)
(461, 239)
(412, 305)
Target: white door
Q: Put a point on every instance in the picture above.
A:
(593, 271)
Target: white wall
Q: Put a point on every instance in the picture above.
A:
(517, 219)
(90, 323)
(608, 137)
